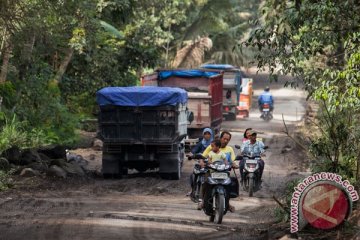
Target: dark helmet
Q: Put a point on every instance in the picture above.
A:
(267, 89)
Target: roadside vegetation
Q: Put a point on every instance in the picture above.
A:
(318, 44)
(55, 55)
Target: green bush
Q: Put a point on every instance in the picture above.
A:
(41, 109)
(5, 180)
(12, 134)
(282, 214)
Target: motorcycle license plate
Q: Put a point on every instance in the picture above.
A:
(217, 175)
(265, 109)
(251, 161)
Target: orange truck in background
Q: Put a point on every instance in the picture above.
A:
(246, 94)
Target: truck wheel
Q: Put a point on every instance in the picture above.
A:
(232, 117)
(170, 165)
(111, 166)
(176, 175)
(124, 171)
(112, 176)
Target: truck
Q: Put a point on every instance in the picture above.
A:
(231, 88)
(204, 97)
(142, 128)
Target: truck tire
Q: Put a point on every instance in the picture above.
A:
(170, 166)
(176, 175)
(141, 169)
(111, 166)
(232, 117)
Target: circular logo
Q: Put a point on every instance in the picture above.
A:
(325, 206)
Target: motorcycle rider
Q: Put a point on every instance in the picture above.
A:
(208, 137)
(266, 97)
(254, 147)
(225, 138)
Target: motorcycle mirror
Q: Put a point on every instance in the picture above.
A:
(237, 146)
(190, 117)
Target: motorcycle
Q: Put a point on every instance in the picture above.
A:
(217, 194)
(266, 113)
(197, 179)
(252, 179)
(251, 175)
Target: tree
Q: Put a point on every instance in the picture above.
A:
(317, 42)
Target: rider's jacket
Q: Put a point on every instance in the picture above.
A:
(266, 97)
(252, 149)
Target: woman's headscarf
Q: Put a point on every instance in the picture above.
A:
(205, 142)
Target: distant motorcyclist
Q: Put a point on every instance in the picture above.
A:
(266, 97)
(252, 147)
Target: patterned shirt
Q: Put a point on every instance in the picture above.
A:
(255, 149)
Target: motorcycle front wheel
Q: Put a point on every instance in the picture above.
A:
(219, 208)
(251, 187)
(197, 192)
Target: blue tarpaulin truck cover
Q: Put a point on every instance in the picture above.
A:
(218, 66)
(141, 96)
(185, 73)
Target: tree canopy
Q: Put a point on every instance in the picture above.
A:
(318, 43)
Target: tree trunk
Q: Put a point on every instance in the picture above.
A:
(358, 171)
(5, 65)
(3, 41)
(28, 50)
(64, 64)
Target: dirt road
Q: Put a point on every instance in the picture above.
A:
(143, 206)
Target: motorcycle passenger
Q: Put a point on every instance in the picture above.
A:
(266, 97)
(225, 138)
(246, 134)
(199, 148)
(208, 137)
(215, 154)
(254, 147)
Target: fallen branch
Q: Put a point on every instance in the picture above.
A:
(288, 134)
(281, 205)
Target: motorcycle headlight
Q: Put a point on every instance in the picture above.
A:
(221, 167)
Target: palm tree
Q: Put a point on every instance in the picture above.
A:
(226, 23)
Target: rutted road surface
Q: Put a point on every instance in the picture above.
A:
(143, 206)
